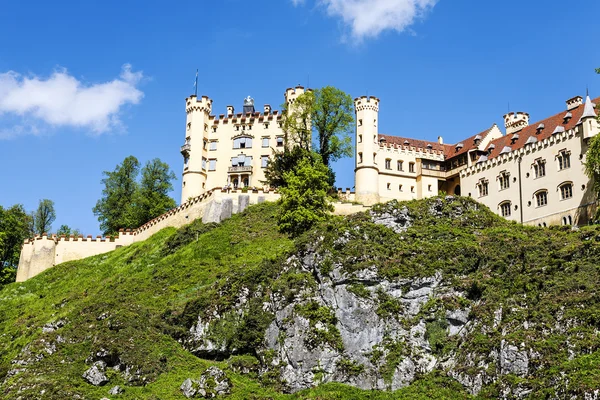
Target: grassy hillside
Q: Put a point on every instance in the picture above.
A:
(132, 307)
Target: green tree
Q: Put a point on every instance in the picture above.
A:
(152, 198)
(327, 116)
(14, 228)
(125, 203)
(67, 231)
(282, 162)
(304, 196)
(115, 209)
(44, 216)
(592, 163)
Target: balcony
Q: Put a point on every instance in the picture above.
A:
(185, 149)
(240, 169)
(437, 171)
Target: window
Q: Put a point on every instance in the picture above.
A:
(214, 129)
(411, 167)
(483, 187)
(566, 191)
(264, 161)
(359, 158)
(359, 138)
(204, 143)
(203, 163)
(279, 142)
(265, 142)
(564, 160)
(505, 209)
(212, 165)
(400, 165)
(360, 122)
(539, 167)
(412, 189)
(541, 198)
(266, 125)
(429, 188)
(504, 180)
(388, 163)
(242, 143)
(186, 162)
(400, 188)
(389, 186)
(189, 126)
(213, 146)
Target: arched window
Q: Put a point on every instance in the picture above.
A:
(566, 190)
(505, 209)
(541, 198)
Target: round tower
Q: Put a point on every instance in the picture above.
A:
(195, 147)
(366, 171)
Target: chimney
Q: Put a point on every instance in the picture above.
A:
(267, 109)
(574, 102)
(440, 140)
(514, 122)
(230, 111)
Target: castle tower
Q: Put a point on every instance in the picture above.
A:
(195, 148)
(366, 171)
(589, 119)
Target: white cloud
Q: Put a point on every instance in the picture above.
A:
(368, 18)
(62, 100)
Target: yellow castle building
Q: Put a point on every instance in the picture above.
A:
(533, 173)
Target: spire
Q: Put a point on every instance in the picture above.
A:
(588, 109)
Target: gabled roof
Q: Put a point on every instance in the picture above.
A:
(468, 144)
(553, 124)
(392, 141)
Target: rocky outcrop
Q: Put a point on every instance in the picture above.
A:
(212, 383)
(95, 374)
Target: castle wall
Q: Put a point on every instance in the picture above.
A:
(575, 210)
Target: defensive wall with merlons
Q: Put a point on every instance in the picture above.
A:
(45, 251)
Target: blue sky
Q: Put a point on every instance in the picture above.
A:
(85, 84)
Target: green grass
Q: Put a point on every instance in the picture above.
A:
(137, 302)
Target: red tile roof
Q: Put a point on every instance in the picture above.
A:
(550, 125)
(468, 144)
(397, 141)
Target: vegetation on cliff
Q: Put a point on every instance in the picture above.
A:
(530, 292)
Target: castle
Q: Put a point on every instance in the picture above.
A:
(533, 174)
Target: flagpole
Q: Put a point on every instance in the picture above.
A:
(196, 84)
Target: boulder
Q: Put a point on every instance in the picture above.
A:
(95, 374)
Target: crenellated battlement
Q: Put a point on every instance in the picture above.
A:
(246, 119)
(204, 104)
(366, 103)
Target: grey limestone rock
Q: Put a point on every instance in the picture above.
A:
(95, 374)
(115, 390)
(397, 219)
(243, 202)
(212, 383)
(218, 210)
(513, 360)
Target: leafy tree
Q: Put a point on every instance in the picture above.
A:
(114, 209)
(14, 228)
(125, 203)
(326, 115)
(43, 217)
(304, 196)
(67, 231)
(592, 164)
(152, 198)
(282, 162)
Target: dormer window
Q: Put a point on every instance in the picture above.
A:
(539, 129)
(567, 117)
(459, 146)
(406, 142)
(477, 139)
(491, 148)
(429, 146)
(514, 138)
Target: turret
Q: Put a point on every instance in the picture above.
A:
(367, 171)
(589, 119)
(514, 122)
(194, 149)
(292, 94)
